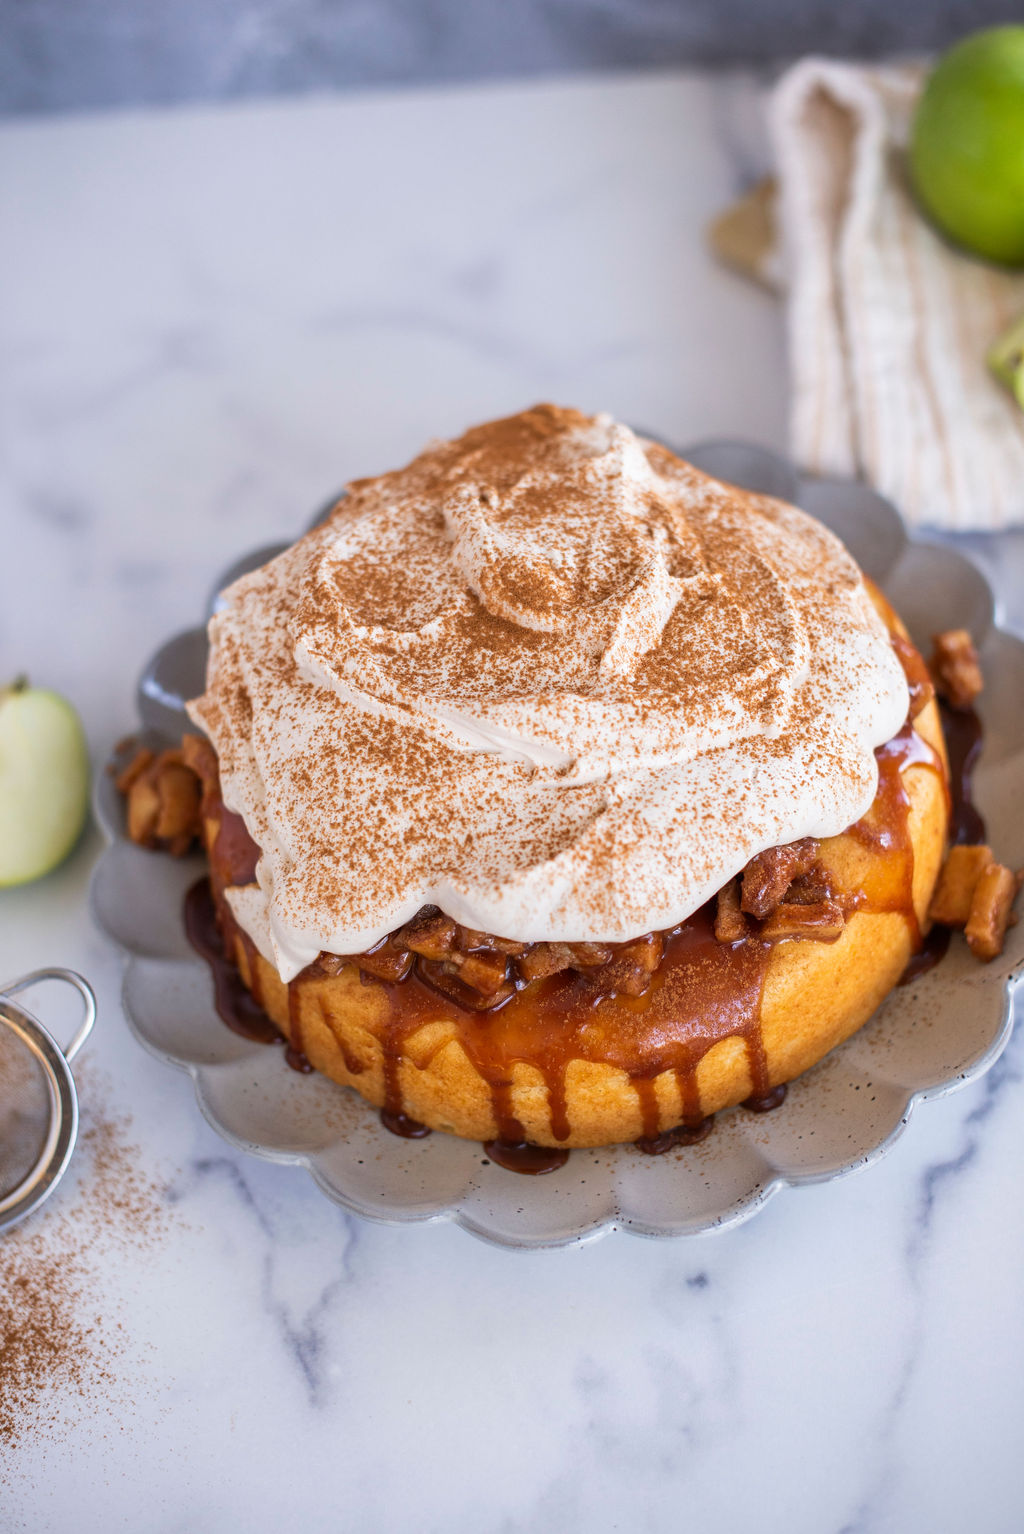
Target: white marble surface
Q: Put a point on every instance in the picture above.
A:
(209, 320)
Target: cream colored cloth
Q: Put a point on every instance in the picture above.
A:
(888, 326)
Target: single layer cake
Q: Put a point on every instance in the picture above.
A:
(556, 792)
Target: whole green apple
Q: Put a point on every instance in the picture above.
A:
(967, 144)
(44, 781)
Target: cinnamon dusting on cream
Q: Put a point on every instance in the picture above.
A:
(549, 678)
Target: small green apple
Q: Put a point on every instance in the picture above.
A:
(44, 781)
(1006, 359)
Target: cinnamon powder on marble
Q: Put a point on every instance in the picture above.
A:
(60, 1335)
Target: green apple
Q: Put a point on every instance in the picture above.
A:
(967, 144)
(1006, 359)
(44, 781)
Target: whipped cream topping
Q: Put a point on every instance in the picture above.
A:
(548, 677)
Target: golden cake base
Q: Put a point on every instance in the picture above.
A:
(357, 1030)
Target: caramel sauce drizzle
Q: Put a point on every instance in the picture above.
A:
(353, 1064)
(531, 1160)
(963, 731)
(886, 826)
(702, 992)
(237, 1006)
(963, 734)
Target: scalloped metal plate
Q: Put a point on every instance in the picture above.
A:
(928, 1039)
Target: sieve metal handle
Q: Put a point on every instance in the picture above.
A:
(69, 977)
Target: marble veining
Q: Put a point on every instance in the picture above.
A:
(210, 319)
(884, 1487)
(297, 1300)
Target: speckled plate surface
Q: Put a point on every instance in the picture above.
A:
(928, 1039)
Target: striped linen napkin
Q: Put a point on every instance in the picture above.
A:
(888, 325)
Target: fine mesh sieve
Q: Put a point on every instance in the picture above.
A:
(38, 1100)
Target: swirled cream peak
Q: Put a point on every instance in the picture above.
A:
(548, 677)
